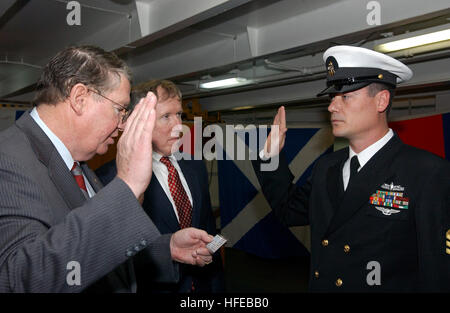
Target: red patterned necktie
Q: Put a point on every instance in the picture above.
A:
(179, 195)
(78, 175)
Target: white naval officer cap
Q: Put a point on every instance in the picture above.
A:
(351, 68)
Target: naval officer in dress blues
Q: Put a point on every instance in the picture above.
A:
(379, 209)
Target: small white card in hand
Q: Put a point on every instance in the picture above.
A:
(217, 242)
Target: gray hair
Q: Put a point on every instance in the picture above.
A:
(89, 65)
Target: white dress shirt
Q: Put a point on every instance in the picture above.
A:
(60, 147)
(364, 156)
(162, 174)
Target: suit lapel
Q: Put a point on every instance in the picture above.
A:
(92, 178)
(156, 194)
(49, 156)
(64, 181)
(364, 183)
(194, 188)
(335, 185)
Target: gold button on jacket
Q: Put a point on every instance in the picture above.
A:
(447, 243)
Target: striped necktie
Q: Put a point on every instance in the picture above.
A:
(77, 173)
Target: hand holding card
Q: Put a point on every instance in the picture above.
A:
(217, 242)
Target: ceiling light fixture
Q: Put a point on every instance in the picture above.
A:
(412, 42)
(226, 83)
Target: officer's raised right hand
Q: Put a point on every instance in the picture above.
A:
(277, 136)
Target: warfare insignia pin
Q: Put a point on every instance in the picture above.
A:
(386, 211)
(392, 187)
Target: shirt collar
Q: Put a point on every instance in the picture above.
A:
(365, 155)
(157, 157)
(59, 145)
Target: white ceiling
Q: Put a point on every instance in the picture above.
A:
(185, 40)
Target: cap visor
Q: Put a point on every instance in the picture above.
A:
(333, 89)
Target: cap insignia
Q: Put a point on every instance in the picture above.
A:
(330, 69)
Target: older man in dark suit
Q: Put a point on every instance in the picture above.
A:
(379, 210)
(60, 230)
(169, 208)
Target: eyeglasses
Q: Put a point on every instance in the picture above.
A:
(123, 112)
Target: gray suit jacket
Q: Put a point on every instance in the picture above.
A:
(45, 223)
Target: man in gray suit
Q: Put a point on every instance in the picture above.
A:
(61, 230)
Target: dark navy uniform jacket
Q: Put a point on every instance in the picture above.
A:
(360, 242)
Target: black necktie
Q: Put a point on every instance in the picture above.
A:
(354, 165)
